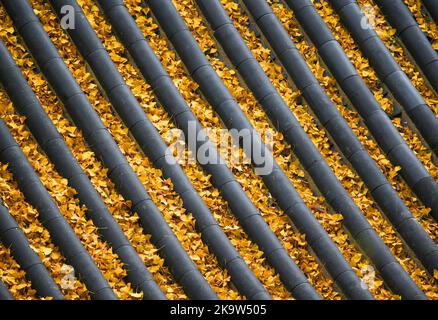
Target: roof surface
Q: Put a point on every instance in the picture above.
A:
(203, 267)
